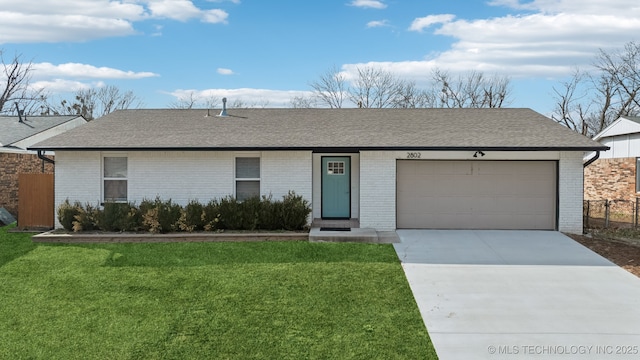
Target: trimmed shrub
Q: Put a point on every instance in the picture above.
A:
(163, 217)
(230, 211)
(120, 217)
(67, 214)
(211, 216)
(295, 211)
(86, 219)
(158, 216)
(270, 214)
(191, 218)
(251, 209)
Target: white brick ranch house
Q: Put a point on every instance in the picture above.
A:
(389, 168)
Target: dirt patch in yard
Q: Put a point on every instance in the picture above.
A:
(623, 252)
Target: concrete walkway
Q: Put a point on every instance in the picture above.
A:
(520, 295)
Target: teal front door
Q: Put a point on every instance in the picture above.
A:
(336, 187)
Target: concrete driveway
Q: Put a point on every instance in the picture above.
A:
(519, 295)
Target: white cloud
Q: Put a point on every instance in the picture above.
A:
(56, 86)
(248, 96)
(223, 71)
(374, 4)
(81, 20)
(84, 71)
(377, 23)
(215, 16)
(540, 39)
(420, 24)
(184, 10)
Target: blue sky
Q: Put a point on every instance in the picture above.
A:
(266, 52)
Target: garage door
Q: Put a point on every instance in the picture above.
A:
(476, 194)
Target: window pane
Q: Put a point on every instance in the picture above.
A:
(115, 167)
(247, 189)
(247, 168)
(115, 190)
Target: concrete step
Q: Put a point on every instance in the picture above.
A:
(361, 235)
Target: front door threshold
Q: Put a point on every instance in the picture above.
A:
(335, 223)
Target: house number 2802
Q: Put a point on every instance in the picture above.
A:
(414, 155)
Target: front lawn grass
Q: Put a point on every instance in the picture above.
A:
(257, 300)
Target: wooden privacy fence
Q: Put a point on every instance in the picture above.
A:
(35, 201)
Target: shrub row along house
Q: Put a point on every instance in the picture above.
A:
(388, 168)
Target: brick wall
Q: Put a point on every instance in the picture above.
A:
(11, 165)
(570, 192)
(378, 189)
(611, 179)
(178, 175)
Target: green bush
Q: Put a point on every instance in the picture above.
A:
(67, 214)
(191, 218)
(230, 211)
(86, 219)
(211, 216)
(270, 214)
(163, 217)
(295, 211)
(251, 209)
(120, 217)
(158, 216)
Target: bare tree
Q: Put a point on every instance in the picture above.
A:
(471, 90)
(409, 96)
(376, 88)
(302, 102)
(331, 88)
(191, 101)
(568, 110)
(185, 102)
(93, 103)
(589, 102)
(15, 87)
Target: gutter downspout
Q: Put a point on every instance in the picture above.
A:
(45, 159)
(590, 161)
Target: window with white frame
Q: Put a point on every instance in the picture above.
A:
(247, 177)
(335, 167)
(114, 176)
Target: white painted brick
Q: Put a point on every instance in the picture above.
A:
(378, 190)
(284, 171)
(183, 176)
(180, 176)
(77, 178)
(570, 192)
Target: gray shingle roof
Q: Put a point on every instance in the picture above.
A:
(12, 131)
(315, 129)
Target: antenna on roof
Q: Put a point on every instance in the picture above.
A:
(224, 107)
(20, 112)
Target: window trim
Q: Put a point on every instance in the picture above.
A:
(336, 168)
(236, 179)
(104, 178)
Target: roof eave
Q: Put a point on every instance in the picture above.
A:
(343, 149)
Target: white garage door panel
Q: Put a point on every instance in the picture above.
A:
(476, 194)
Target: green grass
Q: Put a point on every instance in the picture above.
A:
(257, 300)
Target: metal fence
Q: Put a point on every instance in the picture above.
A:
(610, 213)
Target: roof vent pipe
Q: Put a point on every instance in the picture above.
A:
(20, 112)
(224, 107)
